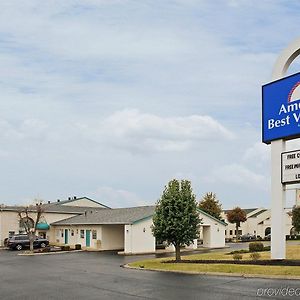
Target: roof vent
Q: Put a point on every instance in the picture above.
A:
(69, 198)
(74, 197)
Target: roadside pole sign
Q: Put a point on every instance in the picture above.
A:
(281, 109)
(290, 167)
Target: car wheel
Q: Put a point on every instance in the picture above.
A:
(43, 245)
(19, 247)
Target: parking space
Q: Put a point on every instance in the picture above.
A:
(97, 275)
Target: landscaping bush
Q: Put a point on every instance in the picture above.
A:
(65, 248)
(46, 249)
(255, 256)
(77, 247)
(239, 251)
(237, 256)
(256, 246)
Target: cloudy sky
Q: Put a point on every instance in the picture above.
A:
(112, 99)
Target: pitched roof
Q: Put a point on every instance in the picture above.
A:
(247, 210)
(128, 215)
(57, 207)
(258, 213)
(52, 208)
(62, 202)
(212, 217)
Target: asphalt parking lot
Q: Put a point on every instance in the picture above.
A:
(98, 275)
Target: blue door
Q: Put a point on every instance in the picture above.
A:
(88, 238)
(66, 236)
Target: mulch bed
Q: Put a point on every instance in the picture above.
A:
(265, 262)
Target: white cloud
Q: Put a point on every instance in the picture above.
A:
(238, 176)
(28, 129)
(258, 155)
(117, 197)
(136, 131)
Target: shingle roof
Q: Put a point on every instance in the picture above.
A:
(58, 207)
(110, 216)
(53, 208)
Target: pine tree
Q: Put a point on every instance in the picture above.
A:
(176, 219)
(211, 205)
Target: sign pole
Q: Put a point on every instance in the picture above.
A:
(278, 249)
(278, 202)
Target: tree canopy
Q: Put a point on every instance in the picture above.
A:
(176, 219)
(211, 205)
(236, 216)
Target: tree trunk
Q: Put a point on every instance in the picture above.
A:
(177, 251)
(237, 232)
(31, 241)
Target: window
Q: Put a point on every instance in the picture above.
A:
(72, 232)
(225, 232)
(94, 233)
(230, 232)
(62, 233)
(82, 233)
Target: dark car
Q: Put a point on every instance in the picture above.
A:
(21, 241)
(248, 237)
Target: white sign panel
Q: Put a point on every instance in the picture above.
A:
(290, 167)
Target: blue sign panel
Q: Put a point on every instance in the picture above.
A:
(281, 109)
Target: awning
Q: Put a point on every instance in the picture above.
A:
(42, 226)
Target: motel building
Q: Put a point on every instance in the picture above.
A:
(97, 227)
(258, 223)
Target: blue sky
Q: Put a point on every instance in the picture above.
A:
(112, 99)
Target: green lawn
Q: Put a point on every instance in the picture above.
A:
(293, 252)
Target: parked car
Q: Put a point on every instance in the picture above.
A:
(21, 241)
(268, 237)
(248, 237)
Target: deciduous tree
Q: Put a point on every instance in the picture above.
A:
(176, 219)
(28, 223)
(237, 216)
(211, 205)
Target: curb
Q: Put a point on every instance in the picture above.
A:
(49, 253)
(286, 277)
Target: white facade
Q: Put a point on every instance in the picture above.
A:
(139, 238)
(258, 223)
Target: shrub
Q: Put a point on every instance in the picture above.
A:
(46, 249)
(77, 247)
(65, 248)
(256, 246)
(255, 256)
(237, 256)
(239, 251)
